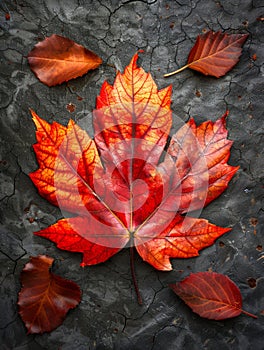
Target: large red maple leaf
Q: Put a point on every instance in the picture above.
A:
(132, 184)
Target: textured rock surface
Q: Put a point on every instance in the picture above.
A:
(108, 316)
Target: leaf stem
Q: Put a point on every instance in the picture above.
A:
(248, 314)
(176, 71)
(132, 268)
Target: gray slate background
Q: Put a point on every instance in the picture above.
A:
(108, 316)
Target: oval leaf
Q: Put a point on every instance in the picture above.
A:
(45, 298)
(214, 53)
(58, 59)
(210, 295)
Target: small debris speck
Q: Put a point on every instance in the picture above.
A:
(70, 107)
(252, 282)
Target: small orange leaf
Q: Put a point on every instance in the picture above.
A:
(58, 59)
(45, 298)
(211, 295)
(214, 53)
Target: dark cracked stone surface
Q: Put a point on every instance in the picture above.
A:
(108, 316)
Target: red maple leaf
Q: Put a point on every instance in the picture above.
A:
(122, 186)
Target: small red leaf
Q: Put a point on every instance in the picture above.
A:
(58, 59)
(214, 53)
(211, 295)
(45, 298)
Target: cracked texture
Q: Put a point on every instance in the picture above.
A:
(108, 316)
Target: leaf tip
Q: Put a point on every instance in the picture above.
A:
(135, 58)
(226, 114)
(34, 115)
